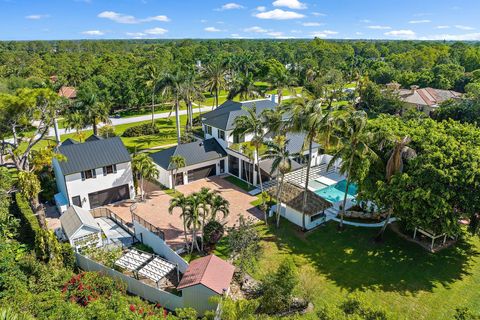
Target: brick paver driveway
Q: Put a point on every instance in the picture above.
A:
(155, 208)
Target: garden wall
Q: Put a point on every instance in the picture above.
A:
(165, 299)
(159, 246)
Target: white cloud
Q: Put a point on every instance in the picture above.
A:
(419, 21)
(454, 37)
(203, 21)
(292, 4)
(255, 29)
(275, 34)
(323, 34)
(156, 31)
(462, 27)
(318, 14)
(279, 14)
(312, 24)
(37, 16)
(93, 33)
(401, 33)
(365, 21)
(135, 34)
(443, 27)
(212, 29)
(128, 19)
(379, 27)
(236, 36)
(230, 6)
(359, 33)
(261, 8)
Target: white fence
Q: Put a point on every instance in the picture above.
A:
(159, 246)
(134, 286)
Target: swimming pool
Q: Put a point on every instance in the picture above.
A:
(336, 192)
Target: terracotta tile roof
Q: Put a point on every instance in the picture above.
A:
(427, 96)
(68, 92)
(210, 271)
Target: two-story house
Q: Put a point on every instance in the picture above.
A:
(221, 152)
(94, 173)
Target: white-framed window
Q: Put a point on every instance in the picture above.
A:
(208, 130)
(110, 169)
(221, 134)
(89, 174)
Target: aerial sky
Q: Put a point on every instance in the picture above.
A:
(167, 19)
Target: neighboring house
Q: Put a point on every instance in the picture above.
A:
(67, 92)
(80, 227)
(424, 99)
(95, 173)
(203, 159)
(205, 277)
(291, 201)
(221, 151)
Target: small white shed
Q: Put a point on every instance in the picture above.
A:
(80, 227)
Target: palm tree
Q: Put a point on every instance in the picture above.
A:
(214, 75)
(144, 166)
(171, 83)
(190, 90)
(196, 205)
(180, 201)
(273, 120)
(282, 163)
(400, 152)
(218, 204)
(244, 86)
(251, 123)
(206, 197)
(177, 162)
(151, 79)
(352, 149)
(316, 121)
(279, 80)
(93, 110)
(75, 121)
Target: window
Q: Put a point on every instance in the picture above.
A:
(221, 134)
(208, 130)
(89, 174)
(317, 216)
(109, 169)
(238, 138)
(76, 201)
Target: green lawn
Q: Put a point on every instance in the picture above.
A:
(398, 276)
(239, 183)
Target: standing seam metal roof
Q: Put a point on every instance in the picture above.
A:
(74, 218)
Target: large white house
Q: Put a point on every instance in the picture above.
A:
(95, 173)
(220, 152)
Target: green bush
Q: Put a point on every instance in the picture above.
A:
(141, 130)
(29, 221)
(213, 232)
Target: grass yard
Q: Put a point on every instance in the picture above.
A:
(239, 183)
(397, 276)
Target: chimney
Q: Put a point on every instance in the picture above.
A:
(414, 88)
(57, 134)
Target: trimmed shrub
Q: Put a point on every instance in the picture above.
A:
(213, 232)
(141, 130)
(29, 221)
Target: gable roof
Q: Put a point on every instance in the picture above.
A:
(193, 153)
(427, 96)
(292, 196)
(296, 141)
(68, 92)
(92, 154)
(224, 116)
(75, 218)
(210, 271)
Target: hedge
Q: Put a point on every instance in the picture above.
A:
(29, 220)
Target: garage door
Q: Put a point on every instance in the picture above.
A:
(104, 197)
(202, 173)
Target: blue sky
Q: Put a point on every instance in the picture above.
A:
(345, 19)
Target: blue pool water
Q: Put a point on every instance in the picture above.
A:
(336, 192)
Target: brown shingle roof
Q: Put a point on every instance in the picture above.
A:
(427, 96)
(68, 92)
(292, 196)
(210, 271)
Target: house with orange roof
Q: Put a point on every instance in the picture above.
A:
(67, 92)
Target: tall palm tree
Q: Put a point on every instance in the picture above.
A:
(218, 204)
(177, 162)
(144, 166)
(400, 152)
(180, 201)
(282, 163)
(214, 75)
(313, 119)
(244, 86)
(352, 149)
(195, 204)
(171, 83)
(151, 79)
(273, 120)
(75, 121)
(279, 80)
(251, 123)
(190, 90)
(206, 197)
(93, 110)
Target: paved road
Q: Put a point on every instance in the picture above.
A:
(119, 121)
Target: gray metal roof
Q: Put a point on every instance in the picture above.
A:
(295, 142)
(92, 154)
(75, 218)
(224, 116)
(193, 153)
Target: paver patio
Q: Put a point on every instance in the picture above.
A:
(155, 208)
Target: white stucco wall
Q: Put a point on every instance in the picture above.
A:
(59, 179)
(295, 217)
(77, 187)
(198, 298)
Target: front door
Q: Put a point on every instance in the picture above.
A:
(222, 166)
